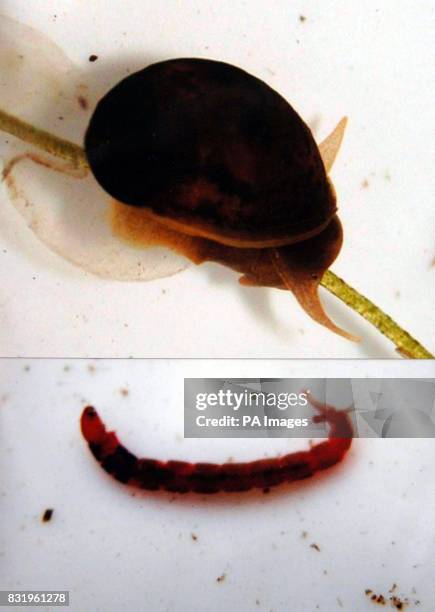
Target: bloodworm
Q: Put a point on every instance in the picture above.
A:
(184, 477)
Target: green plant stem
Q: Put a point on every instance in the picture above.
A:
(404, 342)
(43, 140)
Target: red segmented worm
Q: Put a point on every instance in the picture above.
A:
(184, 477)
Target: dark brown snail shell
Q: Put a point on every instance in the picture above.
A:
(211, 151)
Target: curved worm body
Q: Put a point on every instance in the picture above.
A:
(184, 477)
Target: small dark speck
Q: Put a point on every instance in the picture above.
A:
(194, 537)
(60, 118)
(124, 392)
(93, 58)
(82, 102)
(365, 183)
(221, 578)
(304, 534)
(48, 513)
(302, 18)
(315, 546)
(432, 263)
(26, 368)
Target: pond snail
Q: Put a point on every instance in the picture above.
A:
(202, 157)
(217, 167)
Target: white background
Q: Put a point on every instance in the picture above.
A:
(371, 61)
(371, 516)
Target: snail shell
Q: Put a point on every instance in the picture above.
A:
(211, 151)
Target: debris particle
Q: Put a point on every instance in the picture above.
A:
(91, 368)
(221, 578)
(48, 513)
(302, 18)
(26, 368)
(365, 183)
(93, 58)
(394, 601)
(124, 392)
(304, 534)
(82, 102)
(194, 537)
(315, 546)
